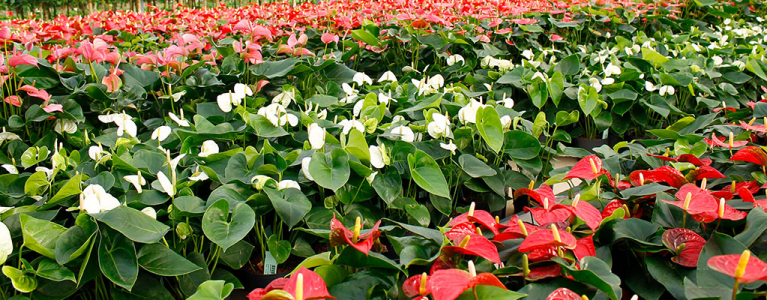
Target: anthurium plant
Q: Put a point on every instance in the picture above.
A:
(386, 150)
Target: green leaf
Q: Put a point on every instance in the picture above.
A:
(22, 281)
(571, 65)
(74, 242)
(388, 185)
(213, 290)
(161, 260)
(563, 118)
(237, 255)
(280, 249)
(71, 188)
(489, 292)
(655, 58)
(273, 69)
(644, 190)
(475, 167)
(636, 230)
(490, 128)
(756, 224)
(36, 184)
(117, 259)
(50, 270)
(418, 212)
(597, 273)
(521, 145)
(323, 100)
(40, 235)
(357, 146)
(353, 257)
(134, 224)
(291, 205)
(224, 230)
(669, 275)
(150, 290)
(556, 87)
(330, 171)
(365, 36)
(427, 174)
(538, 93)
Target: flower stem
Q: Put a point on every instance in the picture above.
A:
(735, 289)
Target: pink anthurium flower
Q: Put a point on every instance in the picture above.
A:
(24, 59)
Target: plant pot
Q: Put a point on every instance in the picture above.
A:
(589, 144)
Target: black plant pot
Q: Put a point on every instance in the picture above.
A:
(590, 144)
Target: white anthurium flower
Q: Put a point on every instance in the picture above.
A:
(6, 244)
(666, 90)
(377, 156)
(436, 81)
(285, 98)
(593, 82)
(629, 51)
(209, 147)
(180, 121)
(227, 100)
(161, 133)
(316, 136)
(717, 60)
(650, 87)
(150, 212)
(397, 118)
(288, 184)
(405, 133)
(198, 175)
(608, 81)
(528, 54)
(361, 78)
(507, 102)
(449, 146)
(611, 70)
(174, 162)
(10, 169)
(371, 177)
(136, 180)
(61, 125)
(8, 136)
(116, 118)
(305, 167)
(126, 125)
(455, 58)
(97, 153)
(506, 123)
(349, 124)
(165, 183)
(351, 93)
(94, 199)
(278, 115)
(242, 90)
(468, 114)
(358, 108)
(439, 126)
(3, 209)
(387, 76)
(738, 64)
(385, 99)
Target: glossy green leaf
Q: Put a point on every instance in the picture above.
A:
(226, 230)
(134, 224)
(40, 235)
(291, 205)
(427, 174)
(213, 290)
(330, 171)
(117, 259)
(160, 260)
(521, 145)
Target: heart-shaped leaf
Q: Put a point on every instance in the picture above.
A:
(226, 230)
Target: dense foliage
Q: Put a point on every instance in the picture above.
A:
(371, 149)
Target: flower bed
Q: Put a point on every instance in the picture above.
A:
(372, 150)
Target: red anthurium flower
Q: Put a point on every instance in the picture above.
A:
(516, 229)
(417, 287)
(666, 174)
(748, 196)
(728, 192)
(718, 109)
(612, 206)
(556, 37)
(340, 235)
(588, 168)
(473, 244)
(695, 201)
(549, 271)
(554, 214)
(478, 216)
(752, 154)
(542, 254)
(723, 142)
(458, 231)
(685, 244)
(586, 212)
(449, 284)
(744, 268)
(13, 100)
(546, 238)
(303, 284)
(328, 38)
(704, 172)
(563, 294)
(540, 195)
(585, 247)
(686, 158)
